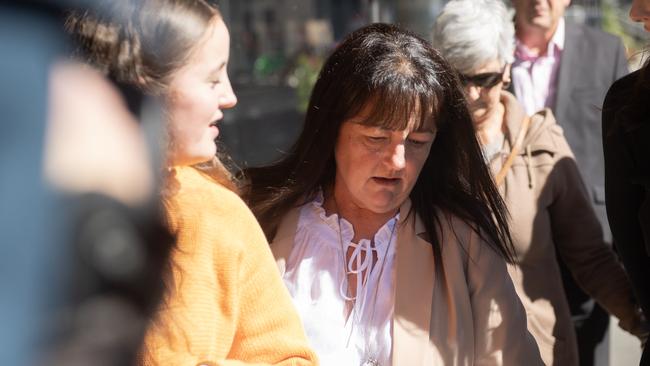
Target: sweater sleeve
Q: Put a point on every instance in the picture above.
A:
(225, 303)
(578, 237)
(500, 329)
(268, 328)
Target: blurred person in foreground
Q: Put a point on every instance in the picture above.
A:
(537, 176)
(567, 67)
(225, 303)
(82, 235)
(626, 142)
(375, 217)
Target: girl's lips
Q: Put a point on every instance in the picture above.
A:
(214, 129)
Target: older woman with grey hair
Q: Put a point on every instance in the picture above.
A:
(537, 175)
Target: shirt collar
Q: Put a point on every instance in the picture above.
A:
(558, 37)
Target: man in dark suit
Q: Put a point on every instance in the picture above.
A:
(568, 68)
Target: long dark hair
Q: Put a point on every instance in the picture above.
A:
(401, 75)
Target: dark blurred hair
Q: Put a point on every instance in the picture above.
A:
(142, 43)
(643, 82)
(400, 75)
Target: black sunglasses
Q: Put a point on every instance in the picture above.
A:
(484, 80)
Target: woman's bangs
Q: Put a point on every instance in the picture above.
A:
(395, 110)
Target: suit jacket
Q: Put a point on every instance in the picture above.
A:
(626, 141)
(467, 313)
(591, 61)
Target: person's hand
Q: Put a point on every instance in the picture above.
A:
(642, 327)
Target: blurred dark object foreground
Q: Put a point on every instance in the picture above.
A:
(80, 273)
(111, 283)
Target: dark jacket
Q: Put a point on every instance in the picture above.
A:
(626, 143)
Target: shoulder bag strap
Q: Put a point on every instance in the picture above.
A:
(516, 147)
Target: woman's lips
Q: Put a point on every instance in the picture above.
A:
(386, 181)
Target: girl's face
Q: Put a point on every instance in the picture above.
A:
(198, 92)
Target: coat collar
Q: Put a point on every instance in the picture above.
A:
(414, 281)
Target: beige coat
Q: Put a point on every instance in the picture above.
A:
(551, 211)
(466, 314)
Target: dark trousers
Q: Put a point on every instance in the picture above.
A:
(590, 333)
(591, 321)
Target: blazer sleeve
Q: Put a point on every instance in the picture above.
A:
(226, 304)
(500, 328)
(578, 237)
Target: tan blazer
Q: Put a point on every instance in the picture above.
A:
(465, 314)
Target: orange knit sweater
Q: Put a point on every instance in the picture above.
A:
(226, 304)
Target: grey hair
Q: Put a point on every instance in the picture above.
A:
(469, 33)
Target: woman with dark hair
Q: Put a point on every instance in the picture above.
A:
(225, 303)
(626, 143)
(384, 220)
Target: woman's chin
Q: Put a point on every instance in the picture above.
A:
(385, 206)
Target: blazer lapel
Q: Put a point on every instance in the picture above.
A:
(414, 281)
(283, 242)
(564, 78)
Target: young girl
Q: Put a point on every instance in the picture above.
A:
(225, 300)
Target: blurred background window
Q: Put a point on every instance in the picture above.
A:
(279, 45)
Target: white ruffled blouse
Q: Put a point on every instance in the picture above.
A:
(316, 278)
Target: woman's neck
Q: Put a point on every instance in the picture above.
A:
(489, 129)
(364, 222)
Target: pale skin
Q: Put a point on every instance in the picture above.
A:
(376, 171)
(198, 93)
(536, 22)
(485, 103)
